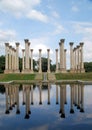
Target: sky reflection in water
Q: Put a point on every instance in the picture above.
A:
(45, 112)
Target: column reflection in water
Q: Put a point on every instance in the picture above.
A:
(56, 94)
(78, 105)
(48, 94)
(17, 97)
(40, 94)
(32, 95)
(6, 94)
(62, 111)
(10, 97)
(23, 91)
(82, 99)
(27, 103)
(72, 97)
(65, 94)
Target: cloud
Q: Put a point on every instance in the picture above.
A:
(23, 8)
(7, 35)
(34, 14)
(75, 8)
(85, 30)
(58, 28)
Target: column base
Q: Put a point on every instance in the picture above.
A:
(72, 71)
(48, 71)
(8, 71)
(16, 71)
(82, 70)
(26, 71)
(63, 70)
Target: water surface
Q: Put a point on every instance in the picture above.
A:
(45, 107)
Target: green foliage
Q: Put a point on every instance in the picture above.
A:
(2, 64)
(10, 77)
(74, 76)
(88, 66)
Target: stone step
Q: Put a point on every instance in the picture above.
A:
(51, 77)
(38, 76)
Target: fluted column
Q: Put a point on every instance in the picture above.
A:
(40, 64)
(31, 60)
(62, 64)
(71, 57)
(56, 60)
(81, 60)
(6, 58)
(10, 59)
(75, 63)
(23, 62)
(48, 53)
(17, 58)
(78, 59)
(27, 45)
(65, 59)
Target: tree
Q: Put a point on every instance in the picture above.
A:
(2, 64)
(88, 66)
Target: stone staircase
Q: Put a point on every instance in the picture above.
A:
(51, 77)
(38, 76)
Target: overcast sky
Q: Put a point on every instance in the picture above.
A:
(45, 22)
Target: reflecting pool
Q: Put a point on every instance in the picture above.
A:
(45, 107)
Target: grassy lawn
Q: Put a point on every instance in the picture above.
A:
(70, 76)
(10, 77)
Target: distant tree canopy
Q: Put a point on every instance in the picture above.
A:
(87, 65)
(35, 64)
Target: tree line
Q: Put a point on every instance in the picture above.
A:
(87, 65)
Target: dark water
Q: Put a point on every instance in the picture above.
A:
(46, 107)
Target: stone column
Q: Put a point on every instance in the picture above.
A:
(71, 58)
(13, 60)
(65, 59)
(48, 53)
(40, 63)
(17, 58)
(10, 59)
(56, 60)
(23, 61)
(31, 60)
(78, 59)
(75, 66)
(82, 63)
(6, 58)
(27, 45)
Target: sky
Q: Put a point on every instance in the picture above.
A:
(44, 23)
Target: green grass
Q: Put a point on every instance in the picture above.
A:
(71, 76)
(11, 77)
